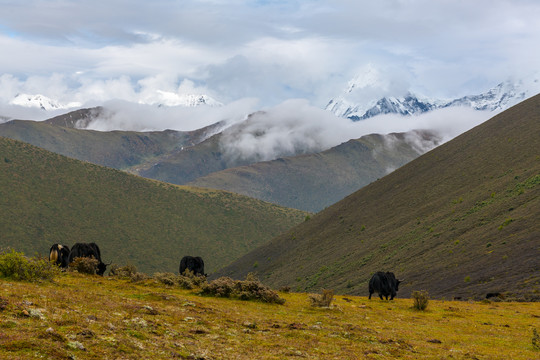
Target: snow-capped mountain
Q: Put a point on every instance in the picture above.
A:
(167, 98)
(41, 102)
(498, 98)
(159, 98)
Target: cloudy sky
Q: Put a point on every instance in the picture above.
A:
(262, 52)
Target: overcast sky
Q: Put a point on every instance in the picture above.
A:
(271, 50)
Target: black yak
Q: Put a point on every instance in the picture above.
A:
(385, 284)
(194, 264)
(59, 254)
(88, 250)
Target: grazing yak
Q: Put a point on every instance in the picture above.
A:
(88, 250)
(195, 264)
(385, 284)
(59, 255)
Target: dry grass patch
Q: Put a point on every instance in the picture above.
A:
(90, 317)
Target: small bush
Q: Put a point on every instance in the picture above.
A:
(123, 271)
(14, 265)
(84, 265)
(535, 340)
(251, 277)
(196, 280)
(127, 272)
(421, 299)
(136, 277)
(167, 278)
(186, 281)
(244, 290)
(322, 300)
(221, 287)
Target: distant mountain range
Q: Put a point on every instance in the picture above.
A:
(159, 98)
(199, 158)
(42, 102)
(501, 97)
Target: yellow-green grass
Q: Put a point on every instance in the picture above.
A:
(91, 317)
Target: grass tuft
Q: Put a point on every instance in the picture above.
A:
(322, 300)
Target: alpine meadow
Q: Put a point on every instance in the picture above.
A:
(270, 180)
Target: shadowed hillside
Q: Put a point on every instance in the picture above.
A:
(47, 198)
(461, 220)
(184, 165)
(312, 182)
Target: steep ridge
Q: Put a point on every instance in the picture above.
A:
(461, 220)
(47, 198)
(312, 182)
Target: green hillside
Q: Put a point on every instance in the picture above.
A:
(47, 198)
(461, 220)
(184, 165)
(116, 149)
(314, 181)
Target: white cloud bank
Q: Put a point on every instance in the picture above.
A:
(297, 127)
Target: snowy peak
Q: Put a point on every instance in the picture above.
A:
(167, 98)
(41, 102)
(498, 98)
(408, 105)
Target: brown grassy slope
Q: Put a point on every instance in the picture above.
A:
(89, 317)
(312, 182)
(47, 198)
(461, 220)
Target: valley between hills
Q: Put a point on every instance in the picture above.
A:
(458, 221)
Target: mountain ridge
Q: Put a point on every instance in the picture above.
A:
(498, 98)
(314, 181)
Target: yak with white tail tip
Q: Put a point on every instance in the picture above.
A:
(59, 255)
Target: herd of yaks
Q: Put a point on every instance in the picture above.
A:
(62, 256)
(383, 283)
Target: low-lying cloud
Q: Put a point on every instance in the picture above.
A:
(122, 115)
(295, 127)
